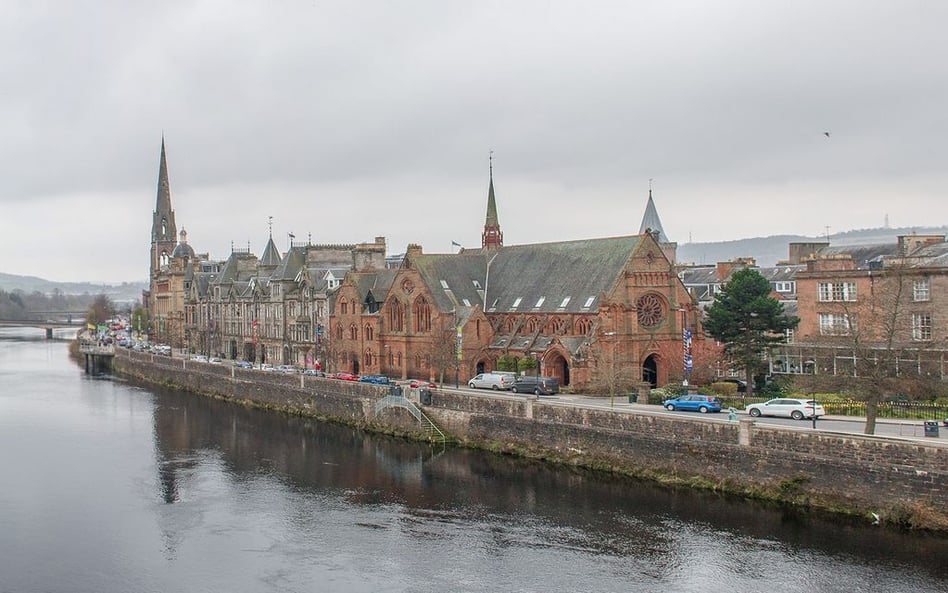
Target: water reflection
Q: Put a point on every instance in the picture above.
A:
(111, 487)
(516, 503)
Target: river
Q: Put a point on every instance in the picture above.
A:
(109, 486)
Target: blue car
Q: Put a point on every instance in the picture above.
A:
(693, 403)
(375, 379)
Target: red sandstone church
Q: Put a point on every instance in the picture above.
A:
(594, 313)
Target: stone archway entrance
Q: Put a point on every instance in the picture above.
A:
(650, 370)
(355, 366)
(557, 366)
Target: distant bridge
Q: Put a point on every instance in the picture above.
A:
(49, 325)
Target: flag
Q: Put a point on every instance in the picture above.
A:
(455, 244)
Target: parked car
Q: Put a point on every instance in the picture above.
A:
(374, 379)
(495, 381)
(783, 407)
(536, 385)
(694, 403)
(287, 369)
(199, 358)
(243, 364)
(417, 384)
(314, 373)
(344, 376)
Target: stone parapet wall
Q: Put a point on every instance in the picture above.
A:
(843, 471)
(851, 471)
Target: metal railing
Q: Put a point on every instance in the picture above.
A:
(399, 401)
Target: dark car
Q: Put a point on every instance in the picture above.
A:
(536, 385)
(693, 402)
(243, 364)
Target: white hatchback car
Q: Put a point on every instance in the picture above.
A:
(784, 407)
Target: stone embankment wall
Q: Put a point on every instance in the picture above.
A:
(851, 473)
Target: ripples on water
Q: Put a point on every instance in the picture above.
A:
(109, 486)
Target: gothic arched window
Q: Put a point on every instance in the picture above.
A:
(422, 315)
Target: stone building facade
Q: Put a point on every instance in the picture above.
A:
(592, 313)
(891, 298)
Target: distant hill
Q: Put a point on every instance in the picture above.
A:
(769, 250)
(124, 292)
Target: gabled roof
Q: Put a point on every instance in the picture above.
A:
(376, 282)
(554, 271)
(567, 276)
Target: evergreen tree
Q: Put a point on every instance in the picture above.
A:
(748, 321)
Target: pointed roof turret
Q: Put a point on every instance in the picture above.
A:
(651, 221)
(271, 255)
(492, 238)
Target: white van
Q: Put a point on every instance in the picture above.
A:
(495, 381)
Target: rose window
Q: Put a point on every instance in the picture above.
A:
(650, 310)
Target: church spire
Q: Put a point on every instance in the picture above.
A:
(492, 238)
(164, 233)
(651, 221)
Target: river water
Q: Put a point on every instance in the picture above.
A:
(108, 486)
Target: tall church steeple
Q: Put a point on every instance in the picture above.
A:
(492, 238)
(164, 233)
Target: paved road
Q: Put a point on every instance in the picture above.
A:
(909, 429)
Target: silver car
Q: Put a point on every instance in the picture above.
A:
(784, 407)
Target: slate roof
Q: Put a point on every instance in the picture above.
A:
(518, 276)
(377, 282)
(932, 256)
(239, 266)
(863, 254)
(292, 264)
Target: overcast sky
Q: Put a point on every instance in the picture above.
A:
(347, 120)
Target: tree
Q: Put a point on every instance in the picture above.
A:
(443, 351)
(748, 321)
(101, 310)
